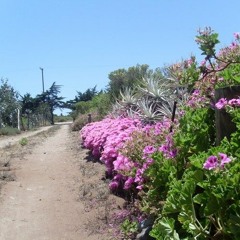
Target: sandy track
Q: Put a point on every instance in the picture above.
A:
(6, 141)
(43, 202)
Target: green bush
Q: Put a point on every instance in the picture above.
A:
(83, 119)
(9, 131)
(62, 118)
(23, 141)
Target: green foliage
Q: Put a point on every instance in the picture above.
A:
(151, 101)
(101, 103)
(81, 97)
(164, 229)
(29, 104)
(186, 73)
(159, 175)
(234, 148)
(87, 95)
(88, 102)
(196, 133)
(84, 119)
(207, 41)
(205, 202)
(23, 141)
(200, 203)
(62, 118)
(187, 199)
(83, 107)
(126, 78)
(8, 105)
(9, 131)
(230, 76)
(51, 98)
(129, 229)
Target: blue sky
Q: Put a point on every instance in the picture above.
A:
(79, 42)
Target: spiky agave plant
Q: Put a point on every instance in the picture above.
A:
(156, 98)
(150, 102)
(157, 88)
(146, 111)
(126, 104)
(128, 97)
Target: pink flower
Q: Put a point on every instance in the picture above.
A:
(113, 185)
(234, 102)
(222, 102)
(148, 150)
(236, 35)
(224, 159)
(214, 162)
(139, 187)
(128, 184)
(211, 163)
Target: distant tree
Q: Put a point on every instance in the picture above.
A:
(87, 95)
(8, 104)
(29, 104)
(126, 78)
(51, 98)
(30, 108)
(81, 97)
(102, 103)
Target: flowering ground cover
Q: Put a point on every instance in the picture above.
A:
(173, 169)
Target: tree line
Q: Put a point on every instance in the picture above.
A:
(39, 110)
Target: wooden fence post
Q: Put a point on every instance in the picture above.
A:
(224, 125)
(89, 118)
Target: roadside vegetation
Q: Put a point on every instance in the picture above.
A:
(166, 149)
(9, 131)
(169, 139)
(19, 113)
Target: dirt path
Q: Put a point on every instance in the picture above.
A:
(47, 200)
(6, 141)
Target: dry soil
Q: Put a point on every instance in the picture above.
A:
(52, 190)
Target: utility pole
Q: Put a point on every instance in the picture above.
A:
(42, 79)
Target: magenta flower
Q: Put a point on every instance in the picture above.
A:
(113, 185)
(214, 162)
(211, 163)
(128, 184)
(222, 102)
(148, 150)
(224, 159)
(234, 102)
(236, 35)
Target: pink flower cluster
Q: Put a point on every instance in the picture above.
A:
(214, 162)
(108, 137)
(223, 102)
(197, 99)
(132, 169)
(104, 138)
(167, 148)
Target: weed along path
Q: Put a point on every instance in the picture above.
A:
(45, 200)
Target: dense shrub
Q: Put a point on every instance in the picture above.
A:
(175, 171)
(9, 131)
(84, 119)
